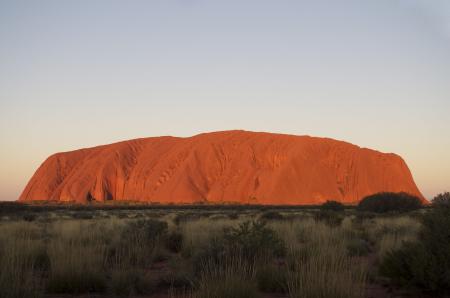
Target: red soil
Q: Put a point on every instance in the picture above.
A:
(221, 167)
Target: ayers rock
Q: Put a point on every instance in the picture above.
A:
(221, 167)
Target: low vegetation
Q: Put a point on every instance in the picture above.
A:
(327, 251)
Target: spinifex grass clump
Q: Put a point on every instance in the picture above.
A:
(235, 277)
(318, 263)
(326, 275)
(390, 233)
(77, 257)
(137, 243)
(23, 261)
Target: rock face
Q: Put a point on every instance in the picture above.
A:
(221, 167)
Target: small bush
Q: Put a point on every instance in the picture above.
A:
(253, 238)
(441, 200)
(251, 241)
(389, 202)
(424, 264)
(332, 206)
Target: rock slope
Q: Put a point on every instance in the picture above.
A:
(221, 167)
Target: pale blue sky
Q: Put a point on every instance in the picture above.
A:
(81, 73)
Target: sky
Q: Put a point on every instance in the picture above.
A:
(76, 74)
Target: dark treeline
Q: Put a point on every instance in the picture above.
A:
(43, 206)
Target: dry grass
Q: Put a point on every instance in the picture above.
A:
(59, 254)
(235, 278)
(77, 263)
(389, 233)
(21, 250)
(318, 261)
(199, 233)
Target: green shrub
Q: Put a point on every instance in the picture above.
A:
(441, 200)
(254, 239)
(251, 241)
(389, 202)
(332, 206)
(426, 263)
